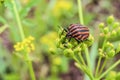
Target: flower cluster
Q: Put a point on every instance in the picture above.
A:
(26, 45)
(109, 33)
(111, 30)
(76, 50)
(70, 48)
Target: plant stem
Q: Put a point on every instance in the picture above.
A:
(83, 68)
(31, 70)
(18, 19)
(100, 58)
(29, 62)
(104, 63)
(87, 55)
(98, 65)
(23, 36)
(103, 46)
(109, 69)
(85, 47)
(81, 58)
(80, 65)
(80, 11)
(88, 60)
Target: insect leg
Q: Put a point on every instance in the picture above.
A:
(86, 40)
(78, 41)
(65, 29)
(69, 39)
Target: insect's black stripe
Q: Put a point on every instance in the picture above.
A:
(79, 31)
(74, 25)
(77, 34)
(84, 37)
(71, 26)
(78, 37)
(81, 37)
(74, 28)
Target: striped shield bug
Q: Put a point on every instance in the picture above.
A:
(78, 32)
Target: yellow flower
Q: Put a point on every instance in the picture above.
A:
(32, 46)
(25, 45)
(60, 6)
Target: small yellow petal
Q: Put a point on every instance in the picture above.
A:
(25, 44)
(28, 50)
(32, 46)
(31, 38)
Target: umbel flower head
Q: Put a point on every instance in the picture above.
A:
(109, 33)
(72, 47)
(25, 45)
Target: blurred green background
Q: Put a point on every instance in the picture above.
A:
(40, 19)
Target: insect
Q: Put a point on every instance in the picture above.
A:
(78, 32)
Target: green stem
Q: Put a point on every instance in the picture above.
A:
(83, 68)
(23, 36)
(103, 65)
(100, 58)
(87, 55)
(80, 11)
(103, 46)
(109, 69)
(29, 62)
(88, 60)
(18, 19)
(81, 58)
(98, 65)
(86, 49)
(31, 70)
(80, 65)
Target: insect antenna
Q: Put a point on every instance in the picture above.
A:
(63, 29)
(59, 27)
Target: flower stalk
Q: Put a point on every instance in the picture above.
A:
(109, 69)
(18, 19)
(29, 62)
(80, 12)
